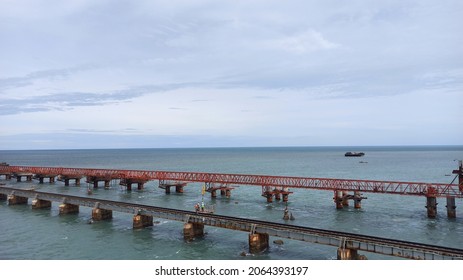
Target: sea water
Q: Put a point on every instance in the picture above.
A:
(44, 234)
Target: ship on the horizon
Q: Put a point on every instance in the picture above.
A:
(354, 154)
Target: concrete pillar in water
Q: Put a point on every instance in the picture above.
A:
(66, 182)
(347, 254)
(14, 199)
(451, 208)
(431, 205)
(67, 208)
(142, 221)
(106, 183)
(18, 178)
(213, 193)
(129, 186)
(269, 198)
(40, 180)
(357, 200)
(285, 197)
(52, 179)
(140, 186)
(228, 193)
(40, 204)
(167, 189)
(29, 178)
(222, 192)
(258, 242)
(101, 214)
(192, 230)
(345, 200)
(338, 199)
(95, 184)
(277, 196)
(179, 189)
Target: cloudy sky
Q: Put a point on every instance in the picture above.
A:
(116, 74)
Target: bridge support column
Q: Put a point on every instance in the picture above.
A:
(101, 214)
(431, 205)
(14, 199)
(140, 186)
(213, 193)
(95, 184)
(66, 208)
(285, 197)
(258, 242)
(222, 192)
(41, 204)
(179, 189)
(451, 208)
(78, 181)
(338, 199)
(277, 196)
(106, 184)
(347, 254)
(41, 180)
(192, 230)
(269, 198)
(345, 199)
(66, 182)
(167, 189)
(142, 221)
(129, 186)
(357, 200)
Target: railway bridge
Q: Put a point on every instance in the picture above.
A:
(348, 244)
(273, 187)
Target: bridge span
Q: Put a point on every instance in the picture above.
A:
(272, 186)
(348, 244)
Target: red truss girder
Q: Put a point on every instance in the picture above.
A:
(392, 187)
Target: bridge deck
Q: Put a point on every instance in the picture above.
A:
(398, 248)
(389, 187)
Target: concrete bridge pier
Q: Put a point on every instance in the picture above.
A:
(222, 192)
(140, 185)
(192, 230)
(66, 208)
(42, 178)
(41, 204)
(14, 199)
(345, 199)
(431, 205)
(214, 193)
(258, 242)
(179, 189)
(338, 199)
(451, 207)
(101, 214)
(357, 200)
(269, 197)
(28, 177)
(142, 221)
(277, 196)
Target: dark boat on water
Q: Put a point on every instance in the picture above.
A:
(354, 154)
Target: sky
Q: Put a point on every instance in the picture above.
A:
(166, 74)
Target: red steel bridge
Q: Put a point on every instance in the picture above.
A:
(272, 186)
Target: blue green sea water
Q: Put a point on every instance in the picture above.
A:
(46, 235)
